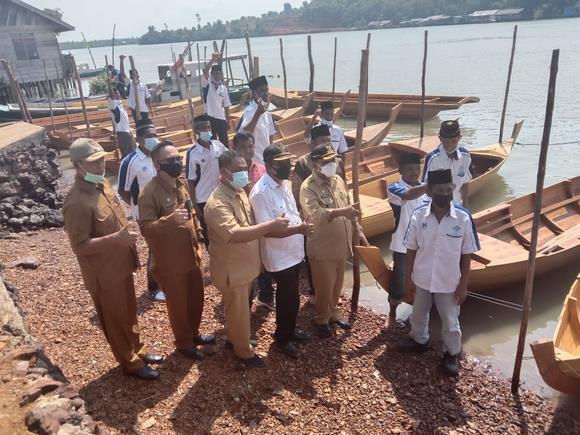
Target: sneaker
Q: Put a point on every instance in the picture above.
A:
(291, 350)
(407, 344)
(451, 364)
(271, 305)
(158, 295)
(254, 362)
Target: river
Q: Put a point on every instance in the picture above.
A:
(462, 60)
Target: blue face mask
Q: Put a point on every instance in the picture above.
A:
(325, 122)
(240, 179)
(150, 143)
(205, 136)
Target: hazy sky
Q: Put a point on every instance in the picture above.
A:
(96, 18)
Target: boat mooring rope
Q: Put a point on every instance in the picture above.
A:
(551, 144)
(496, 301)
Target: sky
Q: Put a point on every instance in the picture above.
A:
(132, 17)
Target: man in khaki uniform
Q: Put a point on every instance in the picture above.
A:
(104, 243)
(168, 222)
(234, 250)
(325, 203)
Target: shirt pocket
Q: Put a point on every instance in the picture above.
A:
(105, 221)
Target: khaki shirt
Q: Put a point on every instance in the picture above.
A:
(231, 264)
(174, 249)
(91, 211)
(332, 240)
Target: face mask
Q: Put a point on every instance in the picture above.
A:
(329, 170)
(325, 122)
(93, 178)
(205, 136)
(241, 179)
(150, 143)
(283, 173)
(442, 201)
(173, 169)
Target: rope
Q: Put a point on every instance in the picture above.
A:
(551, 144)
(492, 300)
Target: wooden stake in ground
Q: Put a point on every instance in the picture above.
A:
(135, 89)
(21, 99)
(49, 95)
(199, 69)
(367, 88)
(15, 90)
(250, 58)
(188, 93)
(189, 50)
(284, 73)
(112, 96)
(334, 68)
(361, 112)
(536, 221)
(62, 97)
(256, 66)
(507, 87)
(84, 107)
(311, 62)
(423, 85)
(89, 48)
(113, 46)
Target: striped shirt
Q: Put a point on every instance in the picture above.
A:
(460, 167)
(135, 172)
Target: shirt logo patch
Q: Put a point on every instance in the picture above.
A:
(456, 228)
(202, 160)
(424, 225)
(461, 172)
(144, 168)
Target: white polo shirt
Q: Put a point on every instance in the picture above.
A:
(143, 94)
(439, 246)
(337, 138)
(402, 209)
(264, 129)
(269, 200)
(215, 99)
(201, 167)
(460, 167)
(120, 117)
(135, 172)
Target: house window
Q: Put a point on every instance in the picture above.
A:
(25, 46)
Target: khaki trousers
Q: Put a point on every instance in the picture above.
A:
(185, 294)
(117, 310)
(237, 311)
(328, 277)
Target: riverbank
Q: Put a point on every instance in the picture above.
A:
(356, 382)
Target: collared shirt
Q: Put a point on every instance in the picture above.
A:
(175, 249)
(119, 115)
(143, 94)
(269, 200)
(460, 167)
(331, 240)
(264, 129)
(231, 264)
(439, 246)
(201, 167)
(402, 209)
(302, 170)
(90, 212)
(337, 138)
(135, 172)
(215, 99)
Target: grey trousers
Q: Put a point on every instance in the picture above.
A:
(448, 312)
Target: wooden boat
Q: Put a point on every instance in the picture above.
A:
(505, 230)
(374, 134)
(378, 104)
(558, 360)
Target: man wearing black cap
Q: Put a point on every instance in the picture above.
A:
(216, 98)
(257, 120)
(325, 116)
(440, 239)
(405, 196)
(201, 167)
(450, 155)
(282, 252)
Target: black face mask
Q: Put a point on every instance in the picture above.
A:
(283, 172)
(442, 201)
(172, 168)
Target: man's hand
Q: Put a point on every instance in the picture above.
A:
(127, 236)
(410, 292)
(307, 228)
(261, 109)
(460, 293)
(352, 212)
(122, 56)
(279, 224)
(317, 114)
(179, 216)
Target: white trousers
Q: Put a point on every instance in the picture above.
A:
(448, 310)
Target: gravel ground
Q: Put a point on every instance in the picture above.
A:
(356, 382)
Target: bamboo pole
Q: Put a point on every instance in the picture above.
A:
(199, 68)
(311, 63)
(250, 58)
(89, 48)
(113, 46)
(19, 92)
(188, 93)
(507, 87)
(334, 68)
(14, 87)
(49, 95)
(245, 71)
(423, 85)
(70, 132)
(84, 107)
(136, 89)
(256, 66)
(536, 220)
(284, 73)
(361, 111)
(112, 96)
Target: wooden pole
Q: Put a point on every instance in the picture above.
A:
(49, 95)
(536, 220)
(367, 84)
(423, 86)
(70, 132)
(245, 70)
(250, 58)
(136, 90)
(89, 48)
(311, 62)
(256, 66)
(361, 112)
(507, 87)
(188, 93)
(19, 92)
(14, 87)
(199, 68)
(231, 72)
(284, 73)
(113, 46)
(112, 96)
(189, 58)
(334, 68)
(369, 41)
(78, 79)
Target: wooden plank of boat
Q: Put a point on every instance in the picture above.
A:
(293, 112)
(374, 134)
(558, 360)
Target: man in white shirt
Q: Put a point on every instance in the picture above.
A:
(450, 155)
(257, 120)
(216, 99)
(282, 252)
(440, 239)
(125, 140)
(143, 95)
(202, 168)
(136, 170)
(325, 116)
(404, 196)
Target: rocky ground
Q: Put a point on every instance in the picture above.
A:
(356, 382)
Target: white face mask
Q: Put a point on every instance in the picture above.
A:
(329, 170)
(325, 122)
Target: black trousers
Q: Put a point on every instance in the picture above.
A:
(287, 303)
(200, 206)
(144, 115)
(219, 129)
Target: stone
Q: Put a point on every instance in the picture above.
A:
(15, 222)
(53, 218)
(26, 263)
(150, 422)
(36, 220)
(21, 368)
(46, 420)
(37, 389)
(77, 402)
